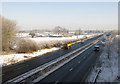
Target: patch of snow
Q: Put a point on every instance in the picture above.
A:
(109, 71)
(14, 58)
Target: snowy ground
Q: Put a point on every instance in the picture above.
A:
(14, 58)
(107, 64)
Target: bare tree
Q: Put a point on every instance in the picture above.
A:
(78, 32)
(32, 35)
(108, 49)
(65, 31)
(108, 45)
(59, 30)
(8, 32)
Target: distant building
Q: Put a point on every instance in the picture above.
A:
(71, 33)
(22, 35)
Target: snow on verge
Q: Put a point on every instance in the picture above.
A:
(14, 58)
(107, 64)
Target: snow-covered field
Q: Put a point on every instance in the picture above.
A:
(60, 38)
(14, 58)
(107, 64)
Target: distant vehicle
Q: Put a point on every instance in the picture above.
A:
(108, 34)
(96, 48)
(67, 45)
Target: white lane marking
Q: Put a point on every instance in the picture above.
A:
(71, 69)
(56, 82)
(78, 61)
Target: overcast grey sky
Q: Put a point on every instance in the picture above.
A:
(71, 15)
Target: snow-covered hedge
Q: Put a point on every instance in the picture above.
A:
(31, 45)
(27, 45)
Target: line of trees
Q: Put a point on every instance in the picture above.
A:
(78, 32)
(59, 30)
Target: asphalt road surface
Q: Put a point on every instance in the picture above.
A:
(10, 72)
(77, 69)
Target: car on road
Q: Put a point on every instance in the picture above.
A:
(96, 48)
